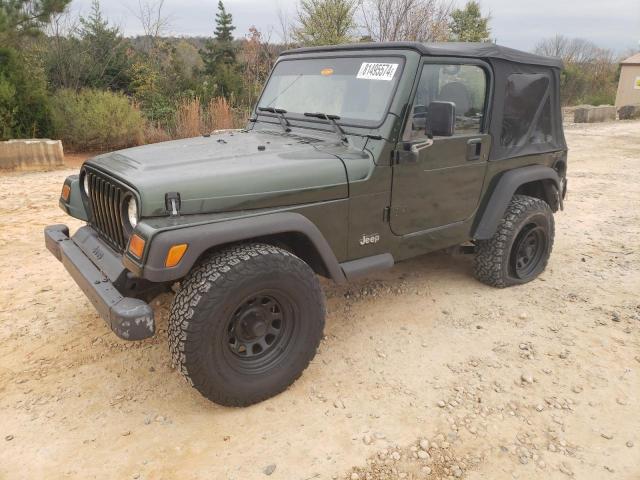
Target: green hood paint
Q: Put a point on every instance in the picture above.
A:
(232, 171)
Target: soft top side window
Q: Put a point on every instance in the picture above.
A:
(463, 85)
(527, 110)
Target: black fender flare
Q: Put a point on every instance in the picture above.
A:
(201, 238)
(503, 192)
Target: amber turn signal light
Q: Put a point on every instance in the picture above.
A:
(175, 255)
(136, 246)
(66, 192)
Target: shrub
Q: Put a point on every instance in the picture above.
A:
(96, 120)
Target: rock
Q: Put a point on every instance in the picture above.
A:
(565, 468)
(523, 316)
(269, 469)
(527, 377)
(629, 112)
(367, 439)
(8, 438)
(127, 433)
(339, 404)
(576, 389)
(426, 470)
(457, 471)
(355, 476)
(615, 316)
(606, 435)
(442, 403)
(395, 456)
(539, 407)
(590, 114)
(424, 444)
(422, 455)
(630, 444)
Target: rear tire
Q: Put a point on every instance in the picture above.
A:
(519, 250)
(246, 323)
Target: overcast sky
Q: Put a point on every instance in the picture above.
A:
(613, 24)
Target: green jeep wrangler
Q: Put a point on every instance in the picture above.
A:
(356, 157)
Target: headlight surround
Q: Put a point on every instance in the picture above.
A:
(132, 212)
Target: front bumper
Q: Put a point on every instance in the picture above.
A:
(129, 318)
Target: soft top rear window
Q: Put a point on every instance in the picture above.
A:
(357, 89)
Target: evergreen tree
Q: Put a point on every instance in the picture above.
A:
(20, 18)
(468, 24)
(108, 63)
(219, 52)
(219, 57)
(224, 24)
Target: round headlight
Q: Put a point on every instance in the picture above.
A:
(132, 212)
(86, 184)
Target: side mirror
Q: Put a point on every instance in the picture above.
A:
(441, 119)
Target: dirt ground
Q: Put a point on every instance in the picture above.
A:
(424, 372)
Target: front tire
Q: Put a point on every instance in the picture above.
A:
(520, 249)
(246, 323)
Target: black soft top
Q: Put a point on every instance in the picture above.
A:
(448, 49)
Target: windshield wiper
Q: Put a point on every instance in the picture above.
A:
(333, 119)
(280, 113)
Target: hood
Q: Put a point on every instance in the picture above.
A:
(230, 171)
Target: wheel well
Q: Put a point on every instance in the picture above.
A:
(543, 189)
(294, 242)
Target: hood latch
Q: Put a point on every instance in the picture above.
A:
(172, 203)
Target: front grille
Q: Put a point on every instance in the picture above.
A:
(105, 200)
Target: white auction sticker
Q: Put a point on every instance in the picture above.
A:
(377, 71)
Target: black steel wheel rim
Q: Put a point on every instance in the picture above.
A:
(528, 250)
(259, 331)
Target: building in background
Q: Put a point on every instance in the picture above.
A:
(629, 86)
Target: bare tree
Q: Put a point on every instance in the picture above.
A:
(153, 21)
(150, 15)
(590, 71)
(286, 28)
(573, 50)
(409, 20)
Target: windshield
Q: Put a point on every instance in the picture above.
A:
(357, 89)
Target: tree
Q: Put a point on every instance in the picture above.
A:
(106, 49)
(219, 52)
(468, 24)
(153, 21)
(224, 24)
(23, 18)
(24, 108)
(590, 73)
(406, 20)
(325, 22)
(258, 55)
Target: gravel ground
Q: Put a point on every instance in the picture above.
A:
(424, 372)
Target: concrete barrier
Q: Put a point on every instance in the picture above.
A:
(589, 114)
(629, 112)
(34, 154)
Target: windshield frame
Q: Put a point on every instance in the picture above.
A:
(361, 124)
